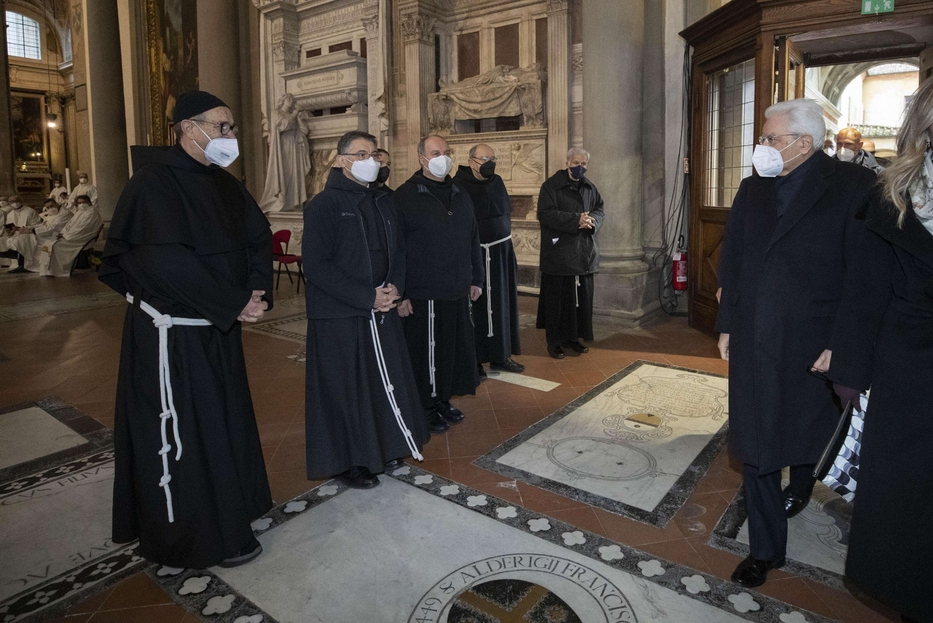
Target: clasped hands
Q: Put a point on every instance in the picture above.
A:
(385, 298)
(255, 308)
(586, 221)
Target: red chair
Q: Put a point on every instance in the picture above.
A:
(280, 240)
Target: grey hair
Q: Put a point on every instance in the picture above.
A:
(577, 151)
(472, 153)
(804, 117)
(176, 128)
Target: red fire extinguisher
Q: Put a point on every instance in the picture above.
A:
(679, 271)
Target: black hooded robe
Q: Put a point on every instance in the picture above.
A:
(352, 246)
(494, 220)
(189, 240)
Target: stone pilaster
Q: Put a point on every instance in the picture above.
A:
(558, 88)
(278, 34)
(418, 34)
(7, 174)
(375, 23)
(612, 133)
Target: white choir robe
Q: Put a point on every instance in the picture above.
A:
(60, 195)
(55, 258)
(24, 217)
(82, 189)
(45, 234)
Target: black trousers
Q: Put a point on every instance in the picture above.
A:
(764, 501)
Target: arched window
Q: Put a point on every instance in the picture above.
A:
(22, 36)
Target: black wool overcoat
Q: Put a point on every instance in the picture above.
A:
(886, 342)
(781, 282)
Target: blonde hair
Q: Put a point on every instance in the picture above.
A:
(913, 140)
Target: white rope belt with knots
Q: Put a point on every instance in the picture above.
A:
(576, 289)
(163, 323)
(431, 368)
(489, 281)
(390, 389)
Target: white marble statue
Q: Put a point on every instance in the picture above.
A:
(289, 161)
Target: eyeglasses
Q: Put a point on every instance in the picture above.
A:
(769, 140)
(485, 159)
(362, 155)
(224, 127)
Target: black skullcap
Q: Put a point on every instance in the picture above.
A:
(193, 103)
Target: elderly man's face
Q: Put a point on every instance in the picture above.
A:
(578, 160)
(484, 154)
(793, 147)
(434, 147)
(849, 140)
(216, 123)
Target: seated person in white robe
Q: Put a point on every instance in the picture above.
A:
(18, 229)
(59, 193)
(53, 220)
(55, 259)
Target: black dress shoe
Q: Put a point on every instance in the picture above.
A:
(752, 572)
(555, 352)
(17, 270)
(250, 551)
(450, 413)
(394, 464)
(437, 424)
(359, 478)
(577, 347)
(793, 504)
(509, 365)
(481, 371)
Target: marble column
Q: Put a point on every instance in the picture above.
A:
(558, 87)
(279, 33)
(418, 33)
(614, 35)
(106, 112)
(7, 174)
(374, 21)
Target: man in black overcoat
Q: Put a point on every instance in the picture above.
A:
(570, 210)
(789, 241)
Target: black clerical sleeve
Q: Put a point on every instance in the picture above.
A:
(596, 212)
(259, 241)
(550, 215)
(173, 272)
(476, 258)
(319, 250)
(397, 271)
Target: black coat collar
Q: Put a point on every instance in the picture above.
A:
(913, 237)
(816, 185)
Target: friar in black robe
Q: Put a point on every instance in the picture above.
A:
(191, 247)
(570, 210)
(495, 313)
(362, 406)
(444, 273)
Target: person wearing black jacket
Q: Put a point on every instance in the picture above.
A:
(362, 409)
(570, 211)
(445, 273)
(495, 314)
(385, 169)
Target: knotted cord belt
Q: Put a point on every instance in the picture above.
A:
(164, 322)
(576, 289)
(489, 281)
(431, 368)
(390, 389)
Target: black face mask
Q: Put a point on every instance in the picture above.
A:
(383, 176)
(578, 171)
(487, 169)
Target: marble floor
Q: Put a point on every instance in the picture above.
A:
(73, 356)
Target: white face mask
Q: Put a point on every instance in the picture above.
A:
(82, 180)
(845, 154)
(768, 161)
(16, 205)
(220, 151)
(365, 170)
(439, 166)
(52, 211)
(829, 151)
(3, 204)
(83, 206)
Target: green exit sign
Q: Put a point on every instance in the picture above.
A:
(870, 7)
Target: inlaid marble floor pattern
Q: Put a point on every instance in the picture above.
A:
(74, 356)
